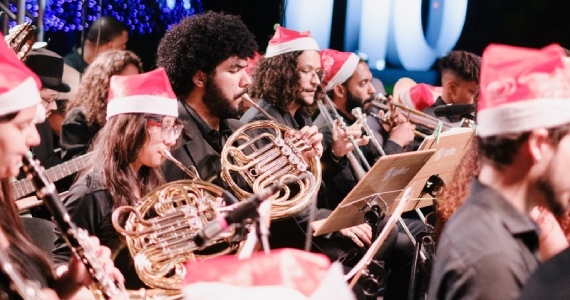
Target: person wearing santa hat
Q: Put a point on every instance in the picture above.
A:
(288, 82)
(125, 166)
(348, 84)
(489, 247)
(20, 110)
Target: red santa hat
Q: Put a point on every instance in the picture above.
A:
(421, 95)
(338, 66)
(251, 63)
(19, 86)
(146, 93)
(285, 40)
(523, 89)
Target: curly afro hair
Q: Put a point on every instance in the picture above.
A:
(200, 43)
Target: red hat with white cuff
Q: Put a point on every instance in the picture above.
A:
(523, 89)
(19, 86)
(338, 66)
(285, 40)
(146, 93)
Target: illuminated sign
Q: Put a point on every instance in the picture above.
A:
(386, 30)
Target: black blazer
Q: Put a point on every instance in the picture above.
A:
(195, 151)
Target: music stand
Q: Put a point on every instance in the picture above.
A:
(450, 148)
(387, 178)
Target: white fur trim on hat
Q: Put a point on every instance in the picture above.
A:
(21, 96)
(523, 116)
(299, 44)
(143, 104)
(344, 72)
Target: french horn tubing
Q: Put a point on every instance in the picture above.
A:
(260, 154)
(160, 229)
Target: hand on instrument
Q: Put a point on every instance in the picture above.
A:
(403, 134)
(360, 234)
(77, 272)
(341, 144)
(312, 137)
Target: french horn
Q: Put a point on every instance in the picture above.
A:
(160, 230)
(260, 154)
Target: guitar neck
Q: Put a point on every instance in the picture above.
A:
(24, 187)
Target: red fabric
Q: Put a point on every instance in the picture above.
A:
(513, 75)
(332, 61)
(284, 35)
(153, 83)
(252, 62)
(424, 95)
(300, 270)
(14, 72)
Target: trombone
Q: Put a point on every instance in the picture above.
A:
(412, 115)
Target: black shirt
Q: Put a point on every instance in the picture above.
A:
(215, 138)
(75, 61)
(487, 250)
(551, 280)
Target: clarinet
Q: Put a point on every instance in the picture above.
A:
(25, 288)
(76, 238)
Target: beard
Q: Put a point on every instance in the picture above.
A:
(553, 203)
(353, 102)
(218, 104)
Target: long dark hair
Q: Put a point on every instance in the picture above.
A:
(17, 236)
(116, 146)
(93, 90)
(277, 82)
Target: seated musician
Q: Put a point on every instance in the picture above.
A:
(86, 111)
(460, 82)
(127, 153)
(20, 110)
(289, 84)
(348, 85)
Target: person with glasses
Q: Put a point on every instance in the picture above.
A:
(288, 82)
(86, 111)
(20, 110)
(48, 66)
(142, 122)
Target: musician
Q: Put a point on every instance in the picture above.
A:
(86, 112)
(48, 66)
(488, 248)
(205, 57)
(287, 80)
(127, 153)
(459, 79)
(348, 84)
(106, 33)
(20, 110)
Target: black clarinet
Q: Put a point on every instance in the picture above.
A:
(76, 238)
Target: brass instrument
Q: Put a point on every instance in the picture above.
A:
(260, 154)
(26, 289)
(357, 113)
(160, 229)
(356, 166)
(21, 38)
(415, 116)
